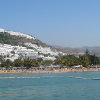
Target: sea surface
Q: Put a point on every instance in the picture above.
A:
(50, 86)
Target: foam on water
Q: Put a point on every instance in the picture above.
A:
(51, 77)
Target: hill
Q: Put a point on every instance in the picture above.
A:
(15, 44)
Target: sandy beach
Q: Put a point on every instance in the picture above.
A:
(62, 70)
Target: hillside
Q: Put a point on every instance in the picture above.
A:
(8, 38)
(14, 44)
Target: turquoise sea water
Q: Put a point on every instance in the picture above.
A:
(50, 86)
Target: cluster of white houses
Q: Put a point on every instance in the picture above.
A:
(13, 52)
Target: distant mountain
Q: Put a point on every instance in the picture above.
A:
(26, 45)
(92, 50)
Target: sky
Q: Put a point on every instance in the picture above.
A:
(67, 23)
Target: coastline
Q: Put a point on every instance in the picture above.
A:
(62, 70)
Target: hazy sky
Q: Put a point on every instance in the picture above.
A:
(70, 23)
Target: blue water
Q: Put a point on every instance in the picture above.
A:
(46, 86)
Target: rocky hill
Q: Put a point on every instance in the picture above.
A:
(15, 44)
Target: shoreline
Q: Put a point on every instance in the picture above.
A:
(62, 70)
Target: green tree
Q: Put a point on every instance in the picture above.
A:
(18, 63)
(85, 59)
(8, 63)
(39, 61)
(47, 62)
(30, 63)
(68, 60)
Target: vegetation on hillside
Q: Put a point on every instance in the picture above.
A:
(6, 38)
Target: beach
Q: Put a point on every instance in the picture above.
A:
(53, 70)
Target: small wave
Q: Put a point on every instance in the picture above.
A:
(50, 77)
(16, 77)
(29, 77)
(84, 78)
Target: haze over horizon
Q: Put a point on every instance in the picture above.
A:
(67, 23)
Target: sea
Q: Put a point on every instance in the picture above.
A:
(50, 86)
